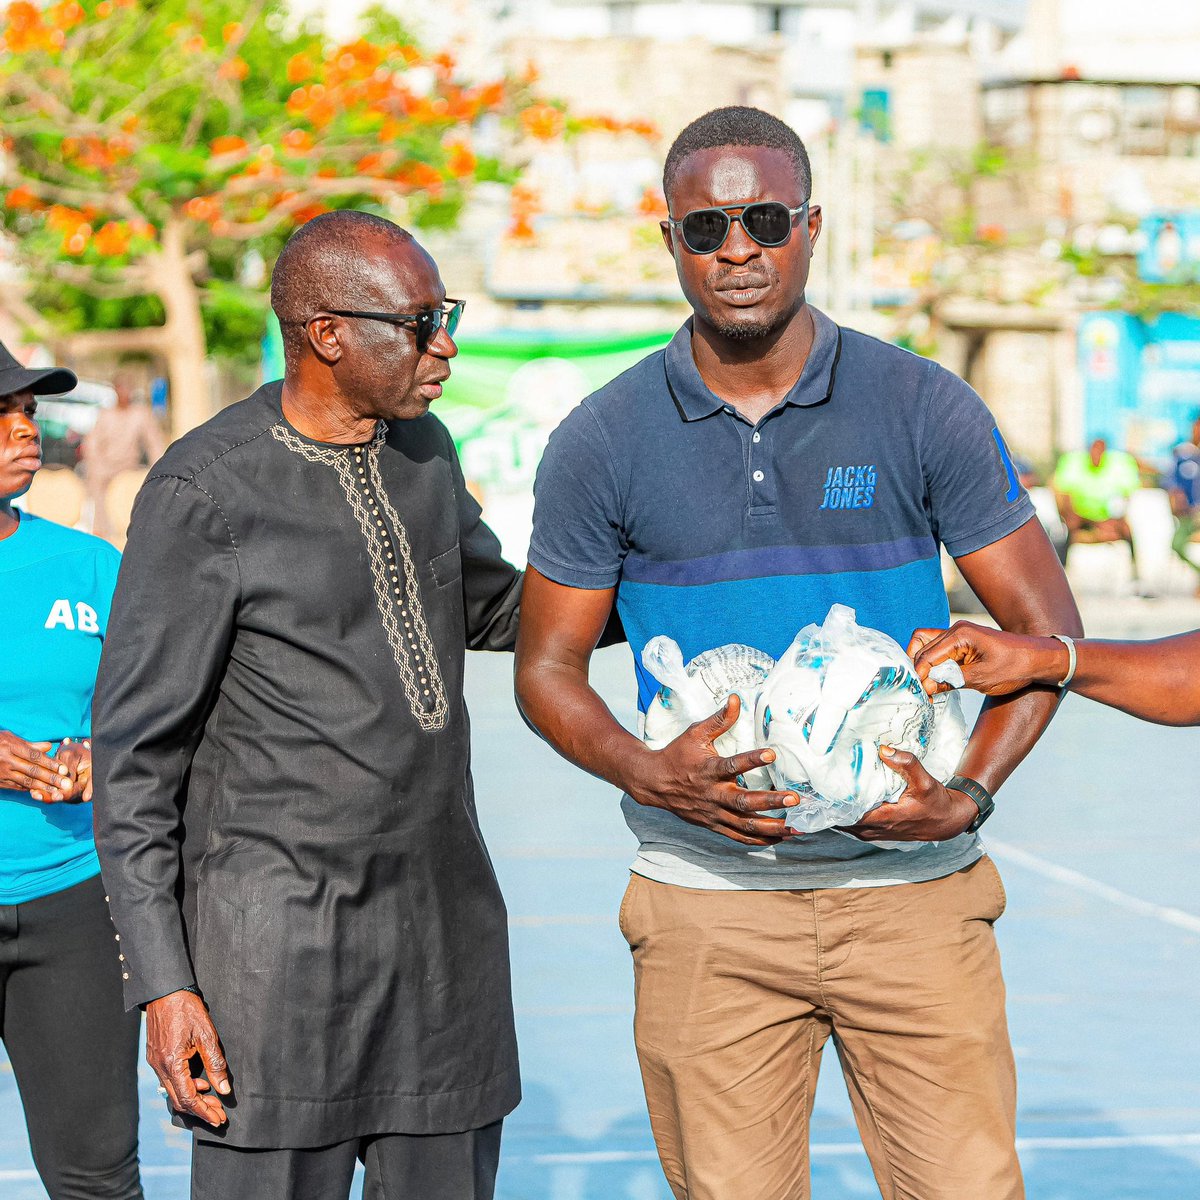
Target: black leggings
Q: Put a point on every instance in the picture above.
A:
(72, 1047)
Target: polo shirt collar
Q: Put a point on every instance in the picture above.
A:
(815, 385)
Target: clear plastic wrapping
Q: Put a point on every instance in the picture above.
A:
(837, 694)
(689, 694)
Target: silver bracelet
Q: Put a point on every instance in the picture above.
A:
(1072, 656)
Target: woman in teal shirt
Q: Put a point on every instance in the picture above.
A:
(72, 1046)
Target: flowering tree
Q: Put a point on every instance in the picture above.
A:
(151, 148)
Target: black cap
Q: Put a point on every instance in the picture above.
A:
(43, 381)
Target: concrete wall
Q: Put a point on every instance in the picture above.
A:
(933, 93)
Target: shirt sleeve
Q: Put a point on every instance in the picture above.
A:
(491, 584)
(577, 507)
(974, 495)
(172, 622)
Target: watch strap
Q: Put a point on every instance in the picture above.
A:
(979, 796)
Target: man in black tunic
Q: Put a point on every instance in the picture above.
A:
(284, 807)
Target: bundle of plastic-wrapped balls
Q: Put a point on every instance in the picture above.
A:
(838, 693)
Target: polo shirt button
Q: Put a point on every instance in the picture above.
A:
(757, 437)
(759, 477)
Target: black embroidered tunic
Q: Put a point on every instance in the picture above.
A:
(284, 806)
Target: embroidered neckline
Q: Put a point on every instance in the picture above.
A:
(393, 571)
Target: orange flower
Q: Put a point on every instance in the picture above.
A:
(201, 208)
(66, 15)
(297, 141)
(21, 197)
(300, 67)
(235, 68)
(23, 15)
(76, 242)
(991, 233)
(420, 176)
(460, 161)
(227, 144)
(543, 122)
(231, 32)
(104, 8)
(62, 219)
(369, 163)
(194, 44)
(521, 230)
(113, 238)
(491, 95)
(301, 215)
(653, 203)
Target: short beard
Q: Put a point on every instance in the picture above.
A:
(746, 331)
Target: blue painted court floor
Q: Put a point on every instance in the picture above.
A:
(1098, 842)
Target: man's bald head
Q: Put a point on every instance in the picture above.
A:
(332, 261)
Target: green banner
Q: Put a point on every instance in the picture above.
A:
(508, 392)
(505, 396)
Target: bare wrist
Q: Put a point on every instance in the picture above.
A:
(635, 767)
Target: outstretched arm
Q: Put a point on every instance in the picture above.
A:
(1158, 681)
(1020, 581)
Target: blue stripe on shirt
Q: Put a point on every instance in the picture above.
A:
(767, 612)
(764, 561)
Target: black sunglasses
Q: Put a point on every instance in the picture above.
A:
(426, 322)
(768, 222)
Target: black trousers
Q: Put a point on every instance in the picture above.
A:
(447, 1166)
(72, 1046)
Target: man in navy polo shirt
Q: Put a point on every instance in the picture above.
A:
(766, 465)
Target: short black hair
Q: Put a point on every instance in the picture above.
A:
(736, 125)
(323, 265)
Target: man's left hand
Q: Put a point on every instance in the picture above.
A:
(926, 811)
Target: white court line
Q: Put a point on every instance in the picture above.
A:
(1166, 1141)
(1085, 883)
(853, 1149)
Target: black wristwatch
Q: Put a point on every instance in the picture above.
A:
(978, 794)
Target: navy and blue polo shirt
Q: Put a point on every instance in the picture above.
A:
(716, 530)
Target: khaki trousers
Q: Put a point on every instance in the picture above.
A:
(738, 991)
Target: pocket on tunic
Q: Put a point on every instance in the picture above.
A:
(446, 567)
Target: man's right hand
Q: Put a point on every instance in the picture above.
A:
(691, 779)
(178, 1028)
(27, 767)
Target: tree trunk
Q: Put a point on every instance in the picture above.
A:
(183, 344)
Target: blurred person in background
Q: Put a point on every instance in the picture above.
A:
(1093, 488)
(125, 436)
(1158, 681)
(72, 1047)
(1184, 486)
